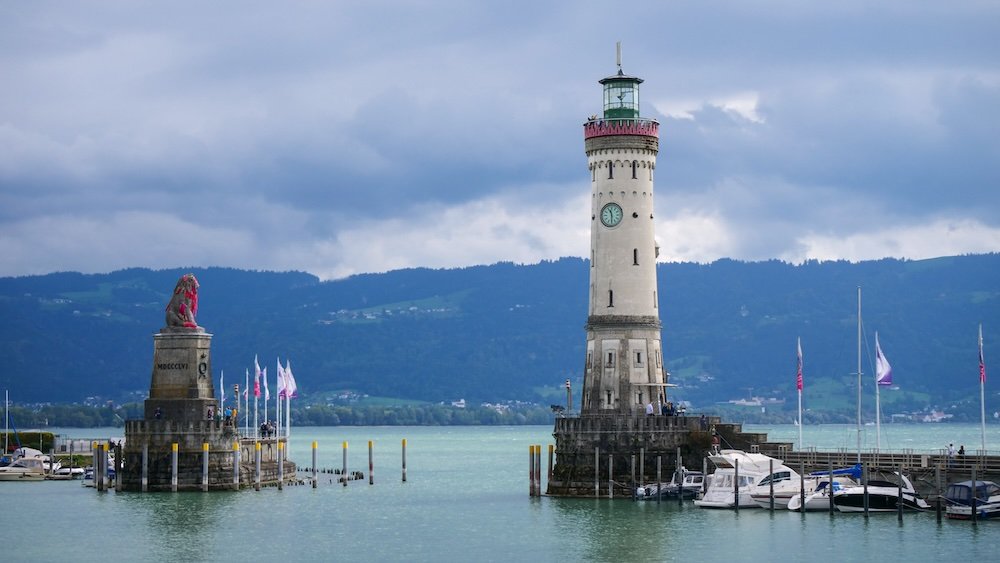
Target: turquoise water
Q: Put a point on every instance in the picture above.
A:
(465, 499)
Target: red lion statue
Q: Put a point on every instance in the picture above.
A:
(183, 305)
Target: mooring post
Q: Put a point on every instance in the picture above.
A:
(236, 465)
(107, 465)
(642, 467)
(899, 496)
(531, 470)
(659, 483)
(597, 472)
(937, 484)
(632, 464)
(344, 473)
(736, 485)
(704, 475)
(371, 463)
(802, 488)
(281, 465)
(548, 474)
(829, 489)
(973, 505)
(538, 470)
(93, 463)
(256, 482)
(770, 479)
(204, 466)
(611, 479)
(404, 460)
(173, 467)
(145, 467)
(314, 463)
(864, 482)
(680, 477)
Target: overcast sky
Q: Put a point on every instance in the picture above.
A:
(347, 137)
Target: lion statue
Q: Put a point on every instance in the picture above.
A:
(183, 305)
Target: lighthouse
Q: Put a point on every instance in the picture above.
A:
(624, 371)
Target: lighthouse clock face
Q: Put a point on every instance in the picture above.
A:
(611, 215)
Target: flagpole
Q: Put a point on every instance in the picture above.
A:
(859, 374)
(246, 405)
(878, 405)
(222, 389)
(798, 384)
(982, 386)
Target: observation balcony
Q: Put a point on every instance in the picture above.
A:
(604, 127)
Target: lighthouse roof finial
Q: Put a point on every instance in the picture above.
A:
(618, 56)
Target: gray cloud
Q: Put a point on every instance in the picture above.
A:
(287, 136)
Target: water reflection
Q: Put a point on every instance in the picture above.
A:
(179, 526)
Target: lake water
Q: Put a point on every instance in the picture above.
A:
(466, 499)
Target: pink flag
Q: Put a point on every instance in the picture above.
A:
(256, 377)
(982, 363)
(281, 381)
(267, 393)
(883, 371)
(798, 378)
(291, 389)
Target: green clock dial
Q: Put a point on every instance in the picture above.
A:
(611, 215)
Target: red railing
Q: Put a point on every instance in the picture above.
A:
(623, 126)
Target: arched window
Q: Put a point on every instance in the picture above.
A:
(635, 166)
(611, 298)
(635, 256)
(611, 170)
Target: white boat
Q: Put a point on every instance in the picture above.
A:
(722, 484)
(883, 496)
(786, 484)
(689, 487)
(960, 495)
(23, 469)
(818, 498)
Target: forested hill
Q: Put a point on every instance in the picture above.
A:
(509, 332)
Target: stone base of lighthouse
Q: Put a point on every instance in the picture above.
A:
(181, 414)
(596, 454)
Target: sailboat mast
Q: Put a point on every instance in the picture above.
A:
(982, 385)
(878, 405)
(859, 374)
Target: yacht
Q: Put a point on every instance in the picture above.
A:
(883, 496)
(818, 498)
(688, 488)
(785, 482)
(722, 484)
(960, 496)
(23, 469)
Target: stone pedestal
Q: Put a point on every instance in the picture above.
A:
(181, 386)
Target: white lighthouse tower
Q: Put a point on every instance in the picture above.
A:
(624, 371)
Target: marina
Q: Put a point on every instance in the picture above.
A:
(465, 494)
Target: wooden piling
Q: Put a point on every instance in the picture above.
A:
(770, 479)
(680, 478)
(802, 488)
(659, 483)
(940, 497)
(371, 463)
(973, 504)
(281, 465)
(899, 496)
(344, 473)
(642, 467)
(314, 463)
(548, 473)
(538, 470)
(597, 472)
(404, 460)
(531, 470)
(736, 485)
(173, 467)
(829, 490)
(256, 484)
(632, 484)
(864, 484)
(145, 467)
(611, 479)
(204, 467)
(236, 465)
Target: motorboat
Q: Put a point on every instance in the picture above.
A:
(689, 486)
(960, 497)
(785, 483)
(883, 496)
(818, 498)
(23, 469)
(723, 485)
